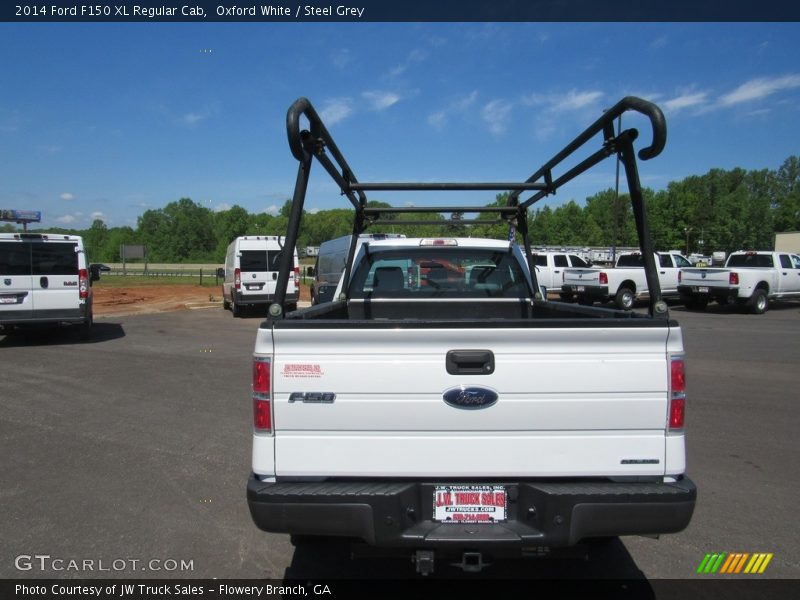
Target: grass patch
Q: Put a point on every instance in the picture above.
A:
(121, 281)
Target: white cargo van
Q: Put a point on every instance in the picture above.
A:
(45, 279)
(251, 273)
(331, 259)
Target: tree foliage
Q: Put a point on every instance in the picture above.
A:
(720, 210)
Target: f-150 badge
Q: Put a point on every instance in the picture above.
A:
(471, 398)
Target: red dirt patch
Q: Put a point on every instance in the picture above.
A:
(158, 298)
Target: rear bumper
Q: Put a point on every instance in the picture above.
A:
(594, 292)
(245, 299)
(399, 514)
(710, 291)
(46, 317)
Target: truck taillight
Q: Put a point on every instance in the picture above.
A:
(680, 276)
(297, 275)
(677, 394)
(262, 395)
(83, 283)
(733, 279)
(237, 278)
(603, 278)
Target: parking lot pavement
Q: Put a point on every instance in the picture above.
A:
(132, 451)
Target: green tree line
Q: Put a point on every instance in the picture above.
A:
(721, 210)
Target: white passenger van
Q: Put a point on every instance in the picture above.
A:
(331, 259)
(251, 273)
(45, 279)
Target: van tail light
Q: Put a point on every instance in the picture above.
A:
(733, 279)
(83, 283)
(677, 394)
(603, 278)
(262, 395)
(297, 276)
(237, 278)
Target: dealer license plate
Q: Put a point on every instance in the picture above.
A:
(580, 288)
(469, 503)
(702, 290)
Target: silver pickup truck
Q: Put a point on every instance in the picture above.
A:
(432, 406)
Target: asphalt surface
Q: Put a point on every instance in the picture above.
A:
(135, 447)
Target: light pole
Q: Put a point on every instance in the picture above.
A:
(687, 230)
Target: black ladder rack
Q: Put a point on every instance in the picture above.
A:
(317, 143)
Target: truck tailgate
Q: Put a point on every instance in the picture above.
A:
(704, 277)
(570, 401)
(581, 276)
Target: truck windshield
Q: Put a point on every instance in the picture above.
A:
(426, 272)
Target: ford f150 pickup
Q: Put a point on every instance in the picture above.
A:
(626, 282)
(751, 279)
(432, 406)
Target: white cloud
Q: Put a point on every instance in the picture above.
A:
(67, 196)
(686, 101)
(497, 114)
(415, 56)
(313, 211)
(272, 210)
(336, 110)
(222, 207)
(341, 58)
(659, 42)
(571, 101)
(458, 106)
(193, 118)
(98, 215)
(381, 100)
(759, 88)
(66, 219)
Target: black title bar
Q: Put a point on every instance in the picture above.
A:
(400, 10)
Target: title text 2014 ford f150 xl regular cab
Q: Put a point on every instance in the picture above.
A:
(440, 406)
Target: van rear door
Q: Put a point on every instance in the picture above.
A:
(55, 278)
(16, 299)
(255, 273)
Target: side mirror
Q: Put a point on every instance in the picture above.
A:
(96, 269)
(310, 272)
(221, 273)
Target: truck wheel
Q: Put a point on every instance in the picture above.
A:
(235, 308)
(225, 304)
(758, 303)
(624, 298)
(85, 332)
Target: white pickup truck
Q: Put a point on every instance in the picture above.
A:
(626, 282)
(432, 406)
(549, 268)
(750, 279)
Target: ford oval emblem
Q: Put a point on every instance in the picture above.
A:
(471, 398)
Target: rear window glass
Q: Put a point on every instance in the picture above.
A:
(15, 258)
(260, 260)
(750, 260)
(54, 258)
(439, 273)
(630, 260)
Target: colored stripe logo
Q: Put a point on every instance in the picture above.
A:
(734, 563)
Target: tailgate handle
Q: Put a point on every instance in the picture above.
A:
(44, 282)
(470, 362)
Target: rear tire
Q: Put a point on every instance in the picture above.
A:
(86, 328)
(758, 303)
(624, 298)
(235, 309)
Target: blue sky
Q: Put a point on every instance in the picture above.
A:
(109, 120)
